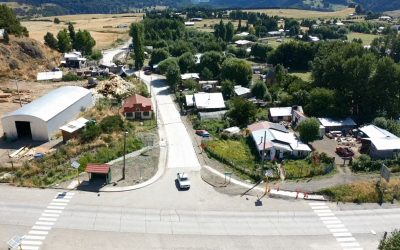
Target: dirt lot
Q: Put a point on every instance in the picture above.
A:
(328, 146)
(293, 13)
(102, 26)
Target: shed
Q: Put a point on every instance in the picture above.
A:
(42, 118)
(280, 114)
(242, 91)
(72, 129)
(343, 125)
(379, 143)
(46, 76)
(99, 171)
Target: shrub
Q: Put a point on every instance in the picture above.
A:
(70, 77)
(390, 243)
(91, 132)
(112, 124)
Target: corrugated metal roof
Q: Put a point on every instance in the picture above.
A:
(98, 168)
(50, 105)
(373, 131)
(328, 122)
(282, 111)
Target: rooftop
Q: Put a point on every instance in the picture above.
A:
(97, 168)
(74, 125)
(206, 100)
(50, 105)
(328, 122)
(239, 90)
(190, 76)
(283, 111)
(373, 131)
(43, 76)
(137, 99)
(243, 42)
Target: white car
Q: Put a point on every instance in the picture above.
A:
(183, 181)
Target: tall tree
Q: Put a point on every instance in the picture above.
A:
(186, 62)
(230, 31)
(158, 55)
(237, 70)
(242, 111)
(72, 33)
(64, 41)
(239, 28)
(10, 22)
(50, 40)
(84, 42)
(137, 33)
(309, 130)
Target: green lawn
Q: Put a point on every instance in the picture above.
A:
(305, 76)
(366, 38)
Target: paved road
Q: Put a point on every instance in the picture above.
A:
(108, 55)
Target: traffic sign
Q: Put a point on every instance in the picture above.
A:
(269, 173)
(75, 164)
(15, 242)
(385, 172)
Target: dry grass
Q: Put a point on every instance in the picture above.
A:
(102, 26)
(366, 38)
(207, 25)
(295, 13)
(365, 191)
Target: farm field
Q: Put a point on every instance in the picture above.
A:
(366, 38)
(101, 26)
(297, 13)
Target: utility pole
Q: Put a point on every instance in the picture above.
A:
(123, 168)
(263, 155)
(19, 95)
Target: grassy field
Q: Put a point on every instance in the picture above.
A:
(207, 25)
(305, 76)
(101, 26)
(366, 38)
(297, 13)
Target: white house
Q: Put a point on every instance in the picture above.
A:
(42, 118)
(285, 113)
(74, 59)
(379, 143)
(206, 101)
(276, 142)
(188, 76)
(242, 91)
(243, 43)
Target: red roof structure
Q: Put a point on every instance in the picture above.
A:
(137, 103)
(97, 168)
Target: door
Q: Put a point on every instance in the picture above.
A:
(138, 115)
(23, 130)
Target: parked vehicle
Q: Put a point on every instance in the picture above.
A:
(202, 133)
(147, 72)
(183, 181)
(344, 152)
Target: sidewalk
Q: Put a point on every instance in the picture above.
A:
(274, 192)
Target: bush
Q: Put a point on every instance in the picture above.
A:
(70, 77)
(364, 163)
(390, 243)
(91, 132)
(112, 124)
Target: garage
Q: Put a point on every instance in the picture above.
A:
(42, 118)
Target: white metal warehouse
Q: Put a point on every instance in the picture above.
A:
(42, 118)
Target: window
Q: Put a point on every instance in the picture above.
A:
(146, 113)
(129, 114)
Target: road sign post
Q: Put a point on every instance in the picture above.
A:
(15, 242)
(76, 165)
(385, 172)
(268, 173)
(228, 174)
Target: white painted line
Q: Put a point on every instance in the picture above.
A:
(38, 232)
(53, 207)
(60, 200)
(332, 222)
(31, 242)
(350, 244)
(323, 211)
(338, 230)
(325, 214)
(53, 211)
(319, 207)
(335, 226)
(50, 215)
(345, 239)
(329, 218)
(347, 234)
(41, 228)
(317, 203)
(24, 247)
(47, 219)
(57, 204)
(45, 223)
(34, 237)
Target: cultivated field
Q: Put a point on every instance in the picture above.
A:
(366, 38)
(297, 13)
(103, 27)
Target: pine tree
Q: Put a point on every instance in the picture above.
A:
(137, 34)
(50, 40)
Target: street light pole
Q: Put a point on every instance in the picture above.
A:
(123, 168)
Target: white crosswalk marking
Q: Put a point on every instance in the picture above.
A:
(44, 224)
(335, 226)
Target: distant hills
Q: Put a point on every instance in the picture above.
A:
(61, 7)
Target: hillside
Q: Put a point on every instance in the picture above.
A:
(62, 7)
(24, 57)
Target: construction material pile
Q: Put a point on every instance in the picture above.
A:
(21, 96)
(115, 87)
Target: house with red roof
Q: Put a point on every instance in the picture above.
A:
(137, 107)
